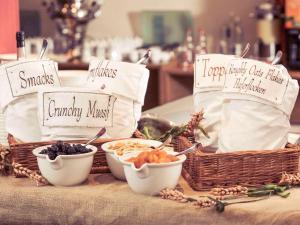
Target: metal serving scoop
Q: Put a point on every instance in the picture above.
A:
(246, 50)
(100, 133)
(189, 150)
(166, 142)
(277, 57)
(145, 57)
(43, 49)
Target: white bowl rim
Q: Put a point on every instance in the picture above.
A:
(105, 147)
(122, 159)
(37, 150)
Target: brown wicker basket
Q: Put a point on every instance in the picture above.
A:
(22, 153)
(204, 171)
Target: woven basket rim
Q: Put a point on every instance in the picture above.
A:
(12, 141)
(53, 141)
(251, 152)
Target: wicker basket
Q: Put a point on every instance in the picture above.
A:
(22, 153)
(204, 171)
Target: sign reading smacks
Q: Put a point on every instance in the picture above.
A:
(210, 71)
(26, 77)
(251, 77)
(79, 109)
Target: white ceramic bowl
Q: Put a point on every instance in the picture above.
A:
(65, 170)
(151, 178)
(113, 160)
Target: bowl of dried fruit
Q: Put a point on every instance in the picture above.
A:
(149, 172)
(115, 149)
(64, 164)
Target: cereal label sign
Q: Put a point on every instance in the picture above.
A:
(26, 77)
(125, 79)
(210, 71)
(259, 79)
(78, 109)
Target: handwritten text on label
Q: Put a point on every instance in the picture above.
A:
(210, 70)
(256, 78)
(26, 77)
(83, 109)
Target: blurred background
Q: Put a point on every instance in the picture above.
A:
(119, 27)
(78, 31)
(127, 18)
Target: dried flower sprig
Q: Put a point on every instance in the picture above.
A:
(4, 160)
(173, 194)
(290, 179)
(18, 169)
(187, 130)
(194, 124)
(204, 203)
(236, 190)
(227, 196)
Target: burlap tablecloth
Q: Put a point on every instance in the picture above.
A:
(103, 200)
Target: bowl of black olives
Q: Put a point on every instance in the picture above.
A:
(65, 164)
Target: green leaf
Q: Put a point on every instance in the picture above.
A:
(270, 187)
(259, 193)
(174, 131)
(146, 132)
(279, 189)
(284, 194)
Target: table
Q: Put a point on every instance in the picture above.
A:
(104, 200)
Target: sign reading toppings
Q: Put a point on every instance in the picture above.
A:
(238, 75)
(210, 71)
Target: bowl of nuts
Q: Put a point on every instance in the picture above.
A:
(64, 164)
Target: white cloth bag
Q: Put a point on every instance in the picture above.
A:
(127, 81)
(3, 132)
(257, 120)
(209, 77)
(71, 113)
(126, 116)
(21, 119)
(72, 78)
(20, 81)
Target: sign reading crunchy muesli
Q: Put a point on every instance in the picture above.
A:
(77, 109)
